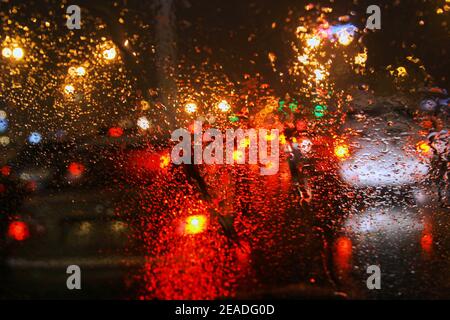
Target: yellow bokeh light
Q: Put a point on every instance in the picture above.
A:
(238, 155)
(4, 141)
(77, 71)
(244, 142)
(342, 151)
(195, 224)
(145, 105)
(109, 54)
(423, 147)
(164, 161)
(270, 137)
(69, 89)
(401, 71)
(361, 58)
(269, 165)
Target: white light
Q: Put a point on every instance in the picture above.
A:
(81, 71)
(190, 107)
(319, 74)
(34, 138)
(384, 222)
(2, 114)
(69, 89)
(7, 52)
(303, 59)
(305, 145)
(17, 53)
(369, 166)
(313, 42)
(109, 54)
(344, 38)
(224, 106)
(143, 123)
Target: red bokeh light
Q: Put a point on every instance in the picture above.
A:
(115, 132)
(426, 242)
(343, 253)
(76, 169)
(18, 230)
(344, 246)
(31, 186)
(145, 160)
(6, 171)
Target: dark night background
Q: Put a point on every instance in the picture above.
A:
(225, 27)
(238, 34)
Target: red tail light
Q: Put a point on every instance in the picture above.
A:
(18, 230)
(115, 132)
(75, 169)
(5, 170)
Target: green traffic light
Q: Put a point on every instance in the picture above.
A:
(233, 118)
(319, 111)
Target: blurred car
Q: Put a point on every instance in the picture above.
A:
(90, 163)
(51, 232)
(435, 100)
(386, 153)
(68, 216)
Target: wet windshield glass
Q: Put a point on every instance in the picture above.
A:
(180, 149)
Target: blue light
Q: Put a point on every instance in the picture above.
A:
(336, 30)
(3, 125)
(34, 138)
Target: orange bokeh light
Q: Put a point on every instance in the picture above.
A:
(164, 161)
(423, 147)
(238, 155)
